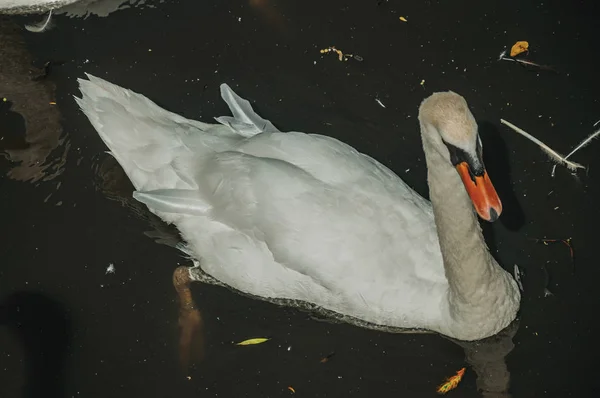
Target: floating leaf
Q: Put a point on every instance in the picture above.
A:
(518, 48)
(258, 340)
(403, 19)
(292, 389)
(451, 383)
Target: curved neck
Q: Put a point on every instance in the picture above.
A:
(467, 261)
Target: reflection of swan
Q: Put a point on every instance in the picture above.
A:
(113, 183)
(487, 357)
(31, 98)
(298, 218)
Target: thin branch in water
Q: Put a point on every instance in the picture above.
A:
(581, 145)
(567, 242)
(503, 57)
(555, 156)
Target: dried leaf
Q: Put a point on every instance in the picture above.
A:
(403, 19)
(518, 48)
(451, 383)
(258, 340)
(292, 389)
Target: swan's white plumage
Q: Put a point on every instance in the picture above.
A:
(280, 215)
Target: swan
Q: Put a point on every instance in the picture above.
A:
(32, 6)
(300, 218)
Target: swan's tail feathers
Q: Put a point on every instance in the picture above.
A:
(245, 121)
(177, 201)
(148, 141)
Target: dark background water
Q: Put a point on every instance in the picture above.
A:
(71, 330)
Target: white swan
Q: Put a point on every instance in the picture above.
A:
(31, 6)
(306, 217)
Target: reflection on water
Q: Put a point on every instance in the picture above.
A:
(40, 152)
(111, 180)
(487, 358)
(101, 8)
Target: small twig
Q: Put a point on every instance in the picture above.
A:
(528, 63)
(327, 357)
(578, 147)
(379, 102)
(566, 242)
(555, 156)
(504, 57)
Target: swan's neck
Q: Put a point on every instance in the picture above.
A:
(469, 266)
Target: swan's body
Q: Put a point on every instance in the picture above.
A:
(306, 217)
(31, 6)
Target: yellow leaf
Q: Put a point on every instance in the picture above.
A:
(518, 48)
(403, 19)
(258, 340)
(292, 389)
(451, 383)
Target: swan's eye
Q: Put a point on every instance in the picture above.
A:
(458, 156)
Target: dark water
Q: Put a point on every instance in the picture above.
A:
(71, 330)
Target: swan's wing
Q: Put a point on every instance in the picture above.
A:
(245, 121)
(178, 201)
(318, 228)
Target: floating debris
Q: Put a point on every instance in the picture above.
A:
(566, 242)
(379, 102)
(515, 50)
(451, 383)
(327, 357)
(517, 274)
(40, 26)
(292, 389)
(578, 147)
(502, 55)
(110, 269)
(555, 156)
(341, 55)
(255, 341)
(519, 48)
(547, 292)
(529, 63)
(403, 19)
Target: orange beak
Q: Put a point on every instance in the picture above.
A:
(482, 193)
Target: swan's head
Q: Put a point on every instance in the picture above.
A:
(449, 127)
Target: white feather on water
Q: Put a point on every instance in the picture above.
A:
(40, 26)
